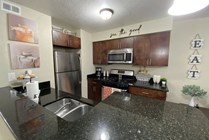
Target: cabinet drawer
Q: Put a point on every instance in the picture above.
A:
(147, 92)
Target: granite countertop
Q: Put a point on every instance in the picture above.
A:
(120, 116)
(136, 84)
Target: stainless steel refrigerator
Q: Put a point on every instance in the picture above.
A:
(67, 72)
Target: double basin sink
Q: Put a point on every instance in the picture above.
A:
(69, 109)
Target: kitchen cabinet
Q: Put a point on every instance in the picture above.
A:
(99, 52)
(74, 42)
(101, 48)
(64, 40)
(94, 90)
(151, 93)
(152, 49)
(59, 39)
(141, 49)
(126, 42)
(149, 50)
(120, 43)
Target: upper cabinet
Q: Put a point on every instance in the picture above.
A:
(119, 43)
(99, 52)
(152, 49)
(149, 49)
(126, 42)
(101, 48)
(159, 49)
(64, 40)
(59, 38)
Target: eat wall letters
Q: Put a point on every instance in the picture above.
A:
(195, 58)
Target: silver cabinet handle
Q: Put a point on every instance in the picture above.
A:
(147, 62)
(150, 61)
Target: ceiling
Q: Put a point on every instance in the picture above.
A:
(84, 14)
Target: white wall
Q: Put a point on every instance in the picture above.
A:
(45, 72)
(86, 59)
(181, 35)
(152, 26)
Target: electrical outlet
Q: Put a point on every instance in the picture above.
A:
(11, 77)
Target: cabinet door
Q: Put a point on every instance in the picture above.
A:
(90, 90)
(156, 94)
(60, 39)
(112, 44)
(159, 43)
(126, 42)
(99, 52)
(74, 42)
(94, 90)
(141, 50)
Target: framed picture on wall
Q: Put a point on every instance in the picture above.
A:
(24, 56)
(22, 29)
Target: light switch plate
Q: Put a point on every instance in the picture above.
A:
(11, 77)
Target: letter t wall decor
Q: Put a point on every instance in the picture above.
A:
(195, 59)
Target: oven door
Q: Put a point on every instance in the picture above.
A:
(107, 91)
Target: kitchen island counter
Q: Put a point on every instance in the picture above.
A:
(120, 116)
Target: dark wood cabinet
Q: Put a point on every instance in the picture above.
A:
(159, 52)
(74, 42)
(126, 42)
(101, 48)
(152, 49)
(147, 92)
(59, 39)
(94, 90)
(99, 52)
(112, 44)
(149, 49)
(64, 40)
(141, 50)
(151, 93)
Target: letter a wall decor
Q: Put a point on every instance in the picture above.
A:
(195, 59)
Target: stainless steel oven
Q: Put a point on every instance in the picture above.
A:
(120, 56)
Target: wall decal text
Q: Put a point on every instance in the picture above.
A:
(123, 32)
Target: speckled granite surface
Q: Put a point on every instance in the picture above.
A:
(136, 84)
(120, 116)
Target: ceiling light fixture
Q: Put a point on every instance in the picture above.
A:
(183, 7)
(106, 13)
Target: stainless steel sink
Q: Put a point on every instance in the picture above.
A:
(69, 109)
(76, 113)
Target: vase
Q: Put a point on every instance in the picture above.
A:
(192, 102)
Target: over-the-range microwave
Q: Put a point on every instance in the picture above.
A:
(120, 56)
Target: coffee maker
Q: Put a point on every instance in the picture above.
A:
(98, 71)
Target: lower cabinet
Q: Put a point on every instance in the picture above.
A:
(157, 94)
(94, 90)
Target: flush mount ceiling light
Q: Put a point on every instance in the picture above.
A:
(183, 7)
(106, 13)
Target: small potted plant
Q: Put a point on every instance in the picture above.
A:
(163, 82)
(193, 91)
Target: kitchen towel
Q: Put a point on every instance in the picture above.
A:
(107, 91)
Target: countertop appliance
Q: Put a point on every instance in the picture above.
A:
(98, 71)
(120, 56)
(67, 72)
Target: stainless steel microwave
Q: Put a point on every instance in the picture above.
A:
(120, 56)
